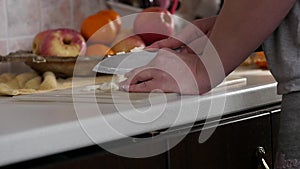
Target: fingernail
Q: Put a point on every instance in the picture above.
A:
(127, 74)
(151, 49)
(123, 87)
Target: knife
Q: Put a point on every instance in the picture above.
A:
(123, 63)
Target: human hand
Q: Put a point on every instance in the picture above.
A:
(191, 34)
(169, 71)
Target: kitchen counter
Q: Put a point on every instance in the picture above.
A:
(30, 129)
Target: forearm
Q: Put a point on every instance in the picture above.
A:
(243, 25)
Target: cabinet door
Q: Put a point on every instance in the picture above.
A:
(231, 146)
(110, 161)
(95, 157)
(275, 117)
(117, 162)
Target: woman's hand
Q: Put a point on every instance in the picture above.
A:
(180, 71)
(169, 71)
(189, 35)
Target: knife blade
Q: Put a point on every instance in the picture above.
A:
(123, 63)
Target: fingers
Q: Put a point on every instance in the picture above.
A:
(195, 30)
(136, 76)
(197, 46)
(139, 75)
(148, 80)
(170, 42)
(190, 33)
(206, 24)
(146, 86)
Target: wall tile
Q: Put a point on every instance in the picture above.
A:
(4, 67)
(23, 17)
(3, 49)
(82, 9)
(55, 14)
(3, 24)
(16, 44)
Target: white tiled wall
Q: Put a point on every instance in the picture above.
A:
(21, 20)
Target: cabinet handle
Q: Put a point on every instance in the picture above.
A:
(260, 153)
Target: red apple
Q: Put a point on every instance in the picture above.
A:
(153, 24)
(126, 41)
(62, 42)
(37, 41)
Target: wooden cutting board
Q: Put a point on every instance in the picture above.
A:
(105, 97)
(90, 94)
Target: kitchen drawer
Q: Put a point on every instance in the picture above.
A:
(233, 145)
(92, 158)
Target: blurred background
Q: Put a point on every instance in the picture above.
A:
(22, 19)
(188, 9)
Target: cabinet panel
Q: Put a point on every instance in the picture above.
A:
(275, 117)
(232, 145)
(108, 162)
(117, 162)
(95, 157)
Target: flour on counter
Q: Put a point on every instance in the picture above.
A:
(113, 85)
(108, 86)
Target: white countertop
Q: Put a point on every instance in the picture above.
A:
(32, 129)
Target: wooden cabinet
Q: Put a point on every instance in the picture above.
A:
(95, 157)
(110, 161)
(233, 145)
(92, 158)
